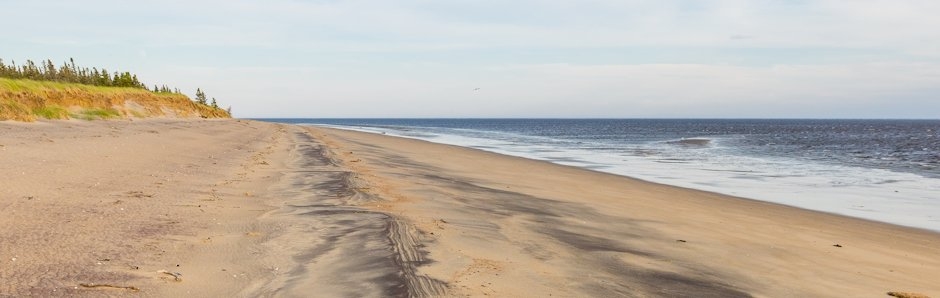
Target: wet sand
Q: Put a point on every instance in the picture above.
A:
(247, 209)
(506, 226)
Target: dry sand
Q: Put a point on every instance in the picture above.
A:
(108, 204)
(244, 208)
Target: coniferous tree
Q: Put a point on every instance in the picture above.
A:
(105, 79)
(50, 71)
(69, 72)
(14, 73)
(200, 96)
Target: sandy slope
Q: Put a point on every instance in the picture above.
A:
(249, 209)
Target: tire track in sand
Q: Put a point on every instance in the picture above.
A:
(340, 248)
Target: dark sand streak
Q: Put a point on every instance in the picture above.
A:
(482, 206)
(354, 252)
(592, 243)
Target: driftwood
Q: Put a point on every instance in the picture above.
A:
(92, 285)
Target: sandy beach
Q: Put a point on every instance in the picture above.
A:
(237, 208)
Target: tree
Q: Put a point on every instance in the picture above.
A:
(214, 104)
(50, 71)
(105, 79)
(200, 96)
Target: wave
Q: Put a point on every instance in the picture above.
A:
(691, 142)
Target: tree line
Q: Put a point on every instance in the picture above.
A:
(69, 72)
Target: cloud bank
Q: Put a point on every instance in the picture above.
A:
(597, 58)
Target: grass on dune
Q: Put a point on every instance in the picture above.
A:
(51, 112)
(27, 100)
(94, 114)
(31, 86)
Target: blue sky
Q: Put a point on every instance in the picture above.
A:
(589, 58)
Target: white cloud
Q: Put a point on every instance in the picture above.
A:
(372, 58)
(906, 25)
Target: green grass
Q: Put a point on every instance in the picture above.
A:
(31, 85)
(95, 114)
(51, 112)
(21, 85)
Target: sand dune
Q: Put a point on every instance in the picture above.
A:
(246, 209)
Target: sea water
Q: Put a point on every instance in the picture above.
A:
(883, 170)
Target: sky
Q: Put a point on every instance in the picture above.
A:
(497, 59)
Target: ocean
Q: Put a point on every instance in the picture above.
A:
(882, 170)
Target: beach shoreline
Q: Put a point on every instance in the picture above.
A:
(729, 164)
(772, 236)
(639, 179)
(248, 208)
